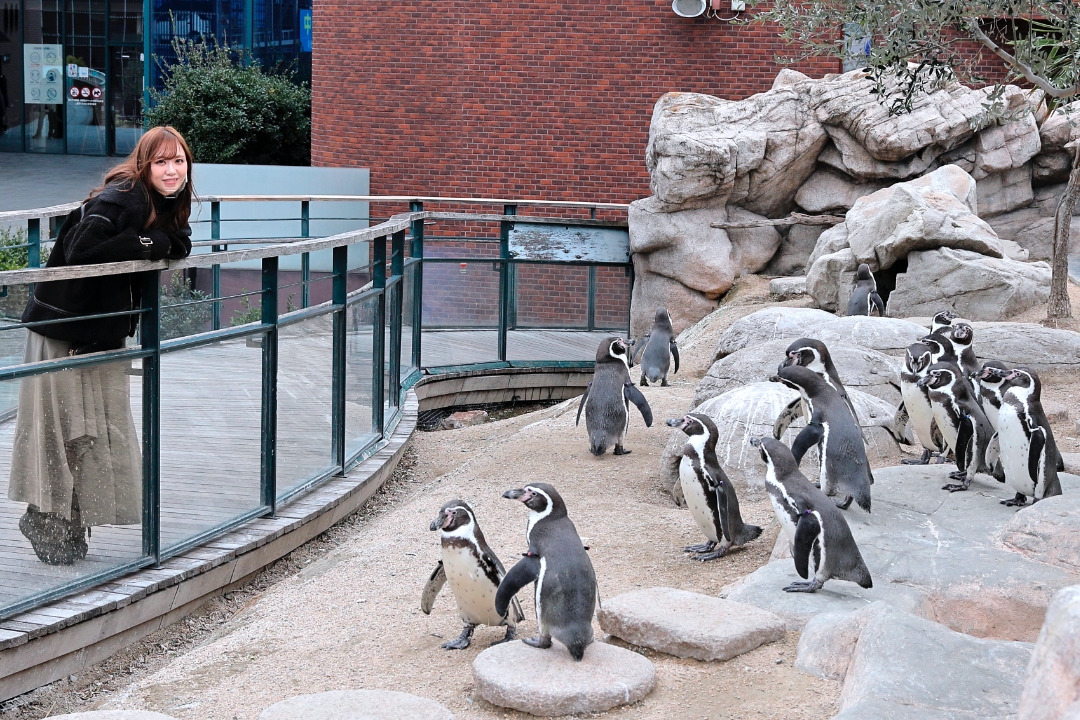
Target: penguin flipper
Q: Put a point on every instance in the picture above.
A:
(635, 359)
(1035, 452)
(809, 437)
(901, 420)
(876, 299)
(788, 415)
(432, 588)
(581, 405)
(675, 354)
(1060, 463)
(524, 572)
(965, 436)
(634, 395)
(806, 532)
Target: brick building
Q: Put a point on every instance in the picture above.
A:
(547, 100)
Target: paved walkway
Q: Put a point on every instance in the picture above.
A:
(30, 180)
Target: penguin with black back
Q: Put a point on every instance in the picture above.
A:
(813, 355)
(1029, 453)
(835, 432)
(865, 299)
(565, 591)
(473, 571)
(961, 420)
(917, 402)
(657, 350)
(819, 536)
(989, 396)
(708, 492)
(607, 399)
(942, 320)
(962, 335)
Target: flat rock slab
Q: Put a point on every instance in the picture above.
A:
(114, 715)
(357, 705)
(687, 624)
(885, 710)
(549, 683)
(940, 555)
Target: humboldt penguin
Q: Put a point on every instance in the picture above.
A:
(835, 432)
(565, 591)
(961, 420)
(820, 539)
(865, 299)
(473, 571)
(942, 320)
(1029, 454)
(657, 350)
(961, 335)
(917, 402)
(708, 492)
(607, 399)
(813, 355)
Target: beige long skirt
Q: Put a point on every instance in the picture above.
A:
(74, 433)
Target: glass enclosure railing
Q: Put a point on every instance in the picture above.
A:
(264, 366)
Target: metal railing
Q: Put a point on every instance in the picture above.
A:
(252, 414)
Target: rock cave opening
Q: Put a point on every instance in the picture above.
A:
(886, 279)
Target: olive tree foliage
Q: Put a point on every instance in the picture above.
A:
(231, 110)
(917, 45)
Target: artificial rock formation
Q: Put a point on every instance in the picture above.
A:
(827, 146)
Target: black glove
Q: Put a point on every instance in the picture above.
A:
(180, 244)
(155, 244)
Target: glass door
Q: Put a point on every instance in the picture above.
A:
(41, 76)
(125, 85)
(85, 70)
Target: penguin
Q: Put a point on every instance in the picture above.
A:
(989, 397)
(565, 591)
(607, 399)
(961, 335)
(941, 347)
(819, 536)
(835, 432)
(917, 402)
(865, 299)
(1029, 453)
(814, 355)
(657, 351)
(942, 320)
(474, 573)
(708, 492)
(961, 420)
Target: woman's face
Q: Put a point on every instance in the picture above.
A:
(168, 172)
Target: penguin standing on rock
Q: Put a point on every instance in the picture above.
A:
(708, 492)
(942, 320)
(1029, 454)
(607, 398)
(835, 432)
(474, 573)
(813, 355)
(657, 351)
(819, 536)
(565, 592)
(961, 335)
(865, 299)
(917, 402)
(961, 420)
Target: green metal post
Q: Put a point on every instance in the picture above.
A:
(397, 270)
(592, 297)
(305, 259)
(269, 382)
(33, 240)
(340, 295)
(215, 271)
(379, 336)
(417, 229)
(504, 279)
(151, 405)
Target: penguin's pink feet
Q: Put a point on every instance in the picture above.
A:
(541, 641)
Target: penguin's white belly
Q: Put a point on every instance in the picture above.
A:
(1014, 448)
(919, 412)
(696, 500)
(948, 432)
(991, 413)
(473, 592)
(784, 519)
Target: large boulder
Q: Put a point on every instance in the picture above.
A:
(859, 367)
(1052, 688)
(794, 252)
(1004, 191)
(972, 285)
(1053, 163)
(1032, 228)
(770, 324)
(685, 306)
(1028, 345)
(828, 190)
(1049, 530)
(357, 705)
(890, 336)
(830, 280)
(887, 335)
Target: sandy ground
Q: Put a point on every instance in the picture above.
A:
(343, 611)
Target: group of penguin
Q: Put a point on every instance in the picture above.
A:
(988, 416)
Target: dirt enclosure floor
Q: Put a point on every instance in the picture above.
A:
(343, 611)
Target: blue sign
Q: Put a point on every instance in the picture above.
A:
(305, 31)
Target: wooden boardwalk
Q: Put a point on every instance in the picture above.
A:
(211, 432)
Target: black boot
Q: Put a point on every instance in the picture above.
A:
(55, 539)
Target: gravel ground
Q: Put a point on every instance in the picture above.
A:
(343, 611)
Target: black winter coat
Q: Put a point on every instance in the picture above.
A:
(107, 228)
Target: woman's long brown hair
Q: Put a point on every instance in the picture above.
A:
(155, 143)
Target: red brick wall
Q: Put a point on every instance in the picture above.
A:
(536, 99)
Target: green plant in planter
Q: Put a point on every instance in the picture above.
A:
(179, 319)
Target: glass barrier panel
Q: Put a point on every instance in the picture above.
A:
(70, 459)
(305, 407)
(612, 304)
(408, 284)
(550, 296)
(211, 431)
(359, 324)
(12, 349)
(182, 313)
(461, 312)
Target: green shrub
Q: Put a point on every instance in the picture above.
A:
(232, 111)
(12, 256)
(178, 319)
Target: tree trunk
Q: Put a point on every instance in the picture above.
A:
(1060, 306)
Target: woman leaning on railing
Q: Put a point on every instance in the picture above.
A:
(76, 459)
